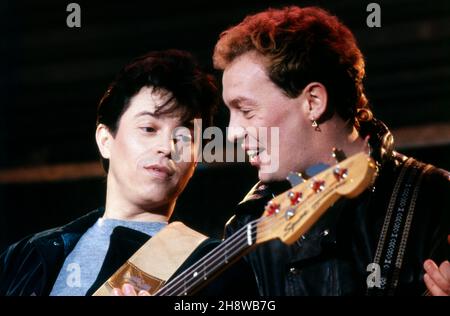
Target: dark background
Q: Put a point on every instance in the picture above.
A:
(52, 78)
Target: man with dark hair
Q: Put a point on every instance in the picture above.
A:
(300, 70)
(144, 119)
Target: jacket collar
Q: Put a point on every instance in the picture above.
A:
(69, 234)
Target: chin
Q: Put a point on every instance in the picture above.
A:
(155, 200)
(270, 176)
(156, 194)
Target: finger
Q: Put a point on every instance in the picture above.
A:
(432, 286)
(128, 290)
(448, 239)
(444, 269)
(429, 266)
(143, 293)
(433, 271)
(117, 292)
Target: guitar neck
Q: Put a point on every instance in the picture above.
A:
(203, 271)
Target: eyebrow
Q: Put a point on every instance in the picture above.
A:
(143, 113)
(235, 102)
(189, 124)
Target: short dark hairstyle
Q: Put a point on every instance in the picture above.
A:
(172, 71)
(302, 45)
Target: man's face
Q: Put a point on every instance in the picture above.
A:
(141, 165)
(255, 101)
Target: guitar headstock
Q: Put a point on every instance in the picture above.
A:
(290, 214)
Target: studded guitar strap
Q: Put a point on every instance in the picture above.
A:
(397, 224)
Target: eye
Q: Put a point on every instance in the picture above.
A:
(247, 113)
(183, 138)
(148, 129)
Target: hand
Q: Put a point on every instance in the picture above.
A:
(437, 279)
(128, 290)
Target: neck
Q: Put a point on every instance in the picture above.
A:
(133, 214)
(336, 133)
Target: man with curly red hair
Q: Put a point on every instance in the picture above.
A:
(300, 70)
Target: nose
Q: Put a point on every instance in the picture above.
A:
(165, 145)
(236, 129)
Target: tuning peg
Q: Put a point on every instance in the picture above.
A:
(295, 197)
(318, 185)
(289, 214)
(272, 208)
(295, 178)
(338, 155)
(340, 173)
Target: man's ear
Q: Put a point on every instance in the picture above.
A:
(316, 97)
(104, 139)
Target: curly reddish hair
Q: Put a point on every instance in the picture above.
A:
(301, 45)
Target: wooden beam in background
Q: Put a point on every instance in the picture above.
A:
(52, 173)
(422, 136)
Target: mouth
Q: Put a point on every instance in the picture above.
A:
(254, 156)
(159, 171)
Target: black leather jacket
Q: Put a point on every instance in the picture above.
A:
(31, 266)
(332, 258)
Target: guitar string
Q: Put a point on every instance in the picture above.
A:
(205, 261)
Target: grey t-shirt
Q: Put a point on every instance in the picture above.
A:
(83, 264)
